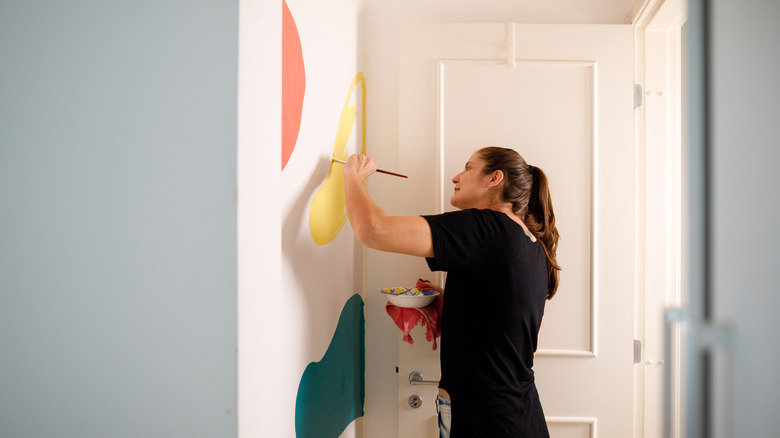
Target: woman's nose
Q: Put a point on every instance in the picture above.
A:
(455, 179)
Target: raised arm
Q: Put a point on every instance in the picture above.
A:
(373, 227)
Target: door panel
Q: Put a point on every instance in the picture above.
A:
(487, 103)
(567, 107)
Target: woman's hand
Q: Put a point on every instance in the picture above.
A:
(361, 165)
(427, 283)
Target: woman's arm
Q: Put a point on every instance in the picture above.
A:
(373, 227)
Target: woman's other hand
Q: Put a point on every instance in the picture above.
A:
(361, 165)
(427, 283)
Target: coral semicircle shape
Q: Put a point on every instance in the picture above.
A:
(332, 391)
(293, 84)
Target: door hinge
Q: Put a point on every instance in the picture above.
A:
(637, 96)
(637, 351)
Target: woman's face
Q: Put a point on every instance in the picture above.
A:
(471, 185)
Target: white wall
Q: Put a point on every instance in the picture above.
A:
(260, 358)
(291, 290)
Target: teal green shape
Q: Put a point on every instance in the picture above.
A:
(332, 391)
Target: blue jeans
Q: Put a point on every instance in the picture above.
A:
(444, 408)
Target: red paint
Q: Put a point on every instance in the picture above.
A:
(293, 84)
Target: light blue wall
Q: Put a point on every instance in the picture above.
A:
(118, 218)
(745, 161)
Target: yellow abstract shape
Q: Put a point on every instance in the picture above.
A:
(328, 209)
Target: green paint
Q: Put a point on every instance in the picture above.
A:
(332, 391)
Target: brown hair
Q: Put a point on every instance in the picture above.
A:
(527, 189)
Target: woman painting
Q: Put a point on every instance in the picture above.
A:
(500, 245)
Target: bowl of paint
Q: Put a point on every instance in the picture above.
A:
(409, 297)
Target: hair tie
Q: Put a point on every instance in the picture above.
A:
(531, 168)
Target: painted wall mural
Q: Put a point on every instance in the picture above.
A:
(328, 212)
(293, 84)
(332, 391)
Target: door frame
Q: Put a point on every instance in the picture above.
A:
(658, 73)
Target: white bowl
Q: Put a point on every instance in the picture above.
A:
(411, 298)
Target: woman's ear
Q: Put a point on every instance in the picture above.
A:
(496, 178)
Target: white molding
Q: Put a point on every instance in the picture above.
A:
(671, 14)
(594, 211)
(593, 293)
(643, 12)
(652, 20)
(588, 421)
(552, 352)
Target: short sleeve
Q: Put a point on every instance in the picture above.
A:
(456, 240)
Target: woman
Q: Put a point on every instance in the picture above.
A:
(500, 246)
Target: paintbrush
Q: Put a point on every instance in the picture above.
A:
(378, 170)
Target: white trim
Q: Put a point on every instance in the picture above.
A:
(643, 12)
(441, 65)
(657, 40)
(511, 46)
(549, 352)
(594, 211)
(639, 196)
(591, 422)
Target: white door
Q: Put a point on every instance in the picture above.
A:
(567, 106)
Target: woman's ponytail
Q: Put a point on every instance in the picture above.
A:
(540, 219)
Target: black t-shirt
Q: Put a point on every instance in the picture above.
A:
(493, 305)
